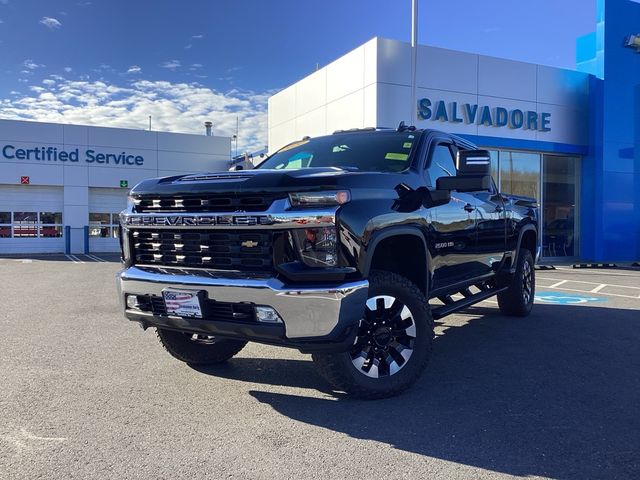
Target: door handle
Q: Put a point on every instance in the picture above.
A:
(469, 208)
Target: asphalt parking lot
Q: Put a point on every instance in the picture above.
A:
(86, 394)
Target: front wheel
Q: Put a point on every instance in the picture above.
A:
(197, 349)
(517, 300)
(393, 344)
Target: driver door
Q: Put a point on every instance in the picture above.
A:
(453, 228)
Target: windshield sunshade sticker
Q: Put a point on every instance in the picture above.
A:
(396, 156)
(293, 145)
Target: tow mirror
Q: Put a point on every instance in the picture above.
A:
(465, 183)
(409, 200)
(473, 162)
(435, 198)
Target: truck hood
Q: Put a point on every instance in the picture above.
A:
(265, 181)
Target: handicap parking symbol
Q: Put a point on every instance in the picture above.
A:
(564, 298)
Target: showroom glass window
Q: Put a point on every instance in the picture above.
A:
(560, 193)
(553, 181)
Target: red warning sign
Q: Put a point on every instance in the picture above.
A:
(24, 180)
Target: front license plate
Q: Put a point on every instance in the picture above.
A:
(184, 303)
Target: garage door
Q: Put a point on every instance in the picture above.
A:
(31, 219)
(105, 204)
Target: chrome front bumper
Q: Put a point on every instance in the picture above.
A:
(308, 312)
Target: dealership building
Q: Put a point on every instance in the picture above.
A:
(570, 138)
(62, 186)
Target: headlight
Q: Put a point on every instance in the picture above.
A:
(131, 203)
(317, 247)
(319, 199)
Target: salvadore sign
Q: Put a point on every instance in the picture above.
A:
(472, 113)
(57, 155)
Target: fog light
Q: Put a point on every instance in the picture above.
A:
(132, 301)
(267, 314)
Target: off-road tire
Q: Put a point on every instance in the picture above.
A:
(181, 346)
(517, 300)
(339, 368)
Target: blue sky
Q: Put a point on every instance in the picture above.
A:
(114, 62)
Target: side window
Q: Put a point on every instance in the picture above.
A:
(442, 163)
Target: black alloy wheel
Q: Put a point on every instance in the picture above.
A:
(386, 337)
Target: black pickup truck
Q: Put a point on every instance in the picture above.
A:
(345, 246)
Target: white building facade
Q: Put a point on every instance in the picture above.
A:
(62, 186)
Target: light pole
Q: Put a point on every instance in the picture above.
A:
(414, 58)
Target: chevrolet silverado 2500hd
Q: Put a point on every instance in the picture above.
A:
(345, 246)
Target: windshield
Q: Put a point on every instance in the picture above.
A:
(379, 151)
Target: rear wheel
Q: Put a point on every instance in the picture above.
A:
(197, 349)
(393, 344)
(517, 300)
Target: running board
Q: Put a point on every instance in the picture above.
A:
(449, 308)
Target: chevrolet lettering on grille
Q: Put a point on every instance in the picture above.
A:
(199, 220)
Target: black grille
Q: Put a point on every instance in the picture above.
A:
(203, 203)
(223, 250)
(212, 310)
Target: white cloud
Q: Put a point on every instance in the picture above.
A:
(68, 69)
(31, 65)
(195, 66)
(48, 82)
(1, 21)
(134, 69)
(187, 47)
(197, 37)
(50, 22)
(171, 64)
(174, 107)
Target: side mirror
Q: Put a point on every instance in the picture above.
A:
(238, 167)
(473, 162)
(435, 198)
(465, 183)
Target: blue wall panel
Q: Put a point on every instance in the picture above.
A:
(611, 172)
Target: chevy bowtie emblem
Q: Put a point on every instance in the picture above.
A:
(633, 41)
(249, 244)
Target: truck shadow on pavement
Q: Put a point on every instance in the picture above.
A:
(556, 394)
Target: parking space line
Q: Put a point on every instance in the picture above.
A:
(74, 259)
(94, 258)
(561, 282)
(592, 283)
(601, 293)
(598, 288)
(583, 272)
